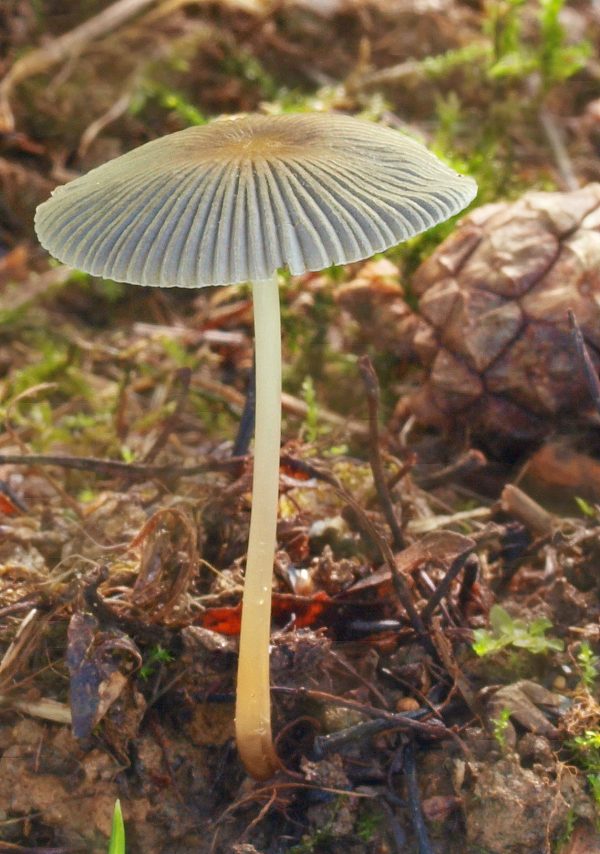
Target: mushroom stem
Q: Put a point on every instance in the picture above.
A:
(253, 699)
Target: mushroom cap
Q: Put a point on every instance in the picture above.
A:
(237, 199)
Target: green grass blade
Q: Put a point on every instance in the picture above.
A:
(117, 836)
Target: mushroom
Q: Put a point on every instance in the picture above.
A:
(234, 201)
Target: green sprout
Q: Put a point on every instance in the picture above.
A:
(588, 746)
(117, 836)
(169, 99)
(157, 655)
(594, 784)
(549, 55)
(506, 631)
(585, 507)
(586, 752)
(588, 665)
(557, 60)
(367, 826)
(499, 727)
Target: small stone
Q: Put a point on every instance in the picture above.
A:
(407, 704)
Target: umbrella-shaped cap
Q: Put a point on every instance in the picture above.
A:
(235, 200)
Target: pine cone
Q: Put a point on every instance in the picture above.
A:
(493, 329)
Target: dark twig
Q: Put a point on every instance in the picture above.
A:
(465, 464)
(394, 826)
(327, 744)
(14, 848)
(403, 469)
(23, 605)
(429, 589)
(468, 580)
(112, 468)
(414, 799)
(432, 728)
(372, 388)
(246, 425)
(444, 585)
(589, 371)
(401, 587)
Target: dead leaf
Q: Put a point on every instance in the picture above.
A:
(97, 671)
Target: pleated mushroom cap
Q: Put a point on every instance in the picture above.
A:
(235, 200)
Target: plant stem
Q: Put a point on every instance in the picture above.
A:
(253, 699)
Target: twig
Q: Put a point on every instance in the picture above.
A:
(432, 523)
(23, 605)
(48, 709)
(246, 425)
(134, 471)
(520, 505)
(444, 585)
(299, 408)
(420, 68)
(465, 464)
(368, 683)
(372, 388)
(62, 48)
(429, 589)
(589, 371)
(461, 683)
(114, 112)
(393, 74)
(414, 799)
(326, 744)
(395, 828)
(468, 580)
(290, 404)
(403, 469)
(347, 703)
